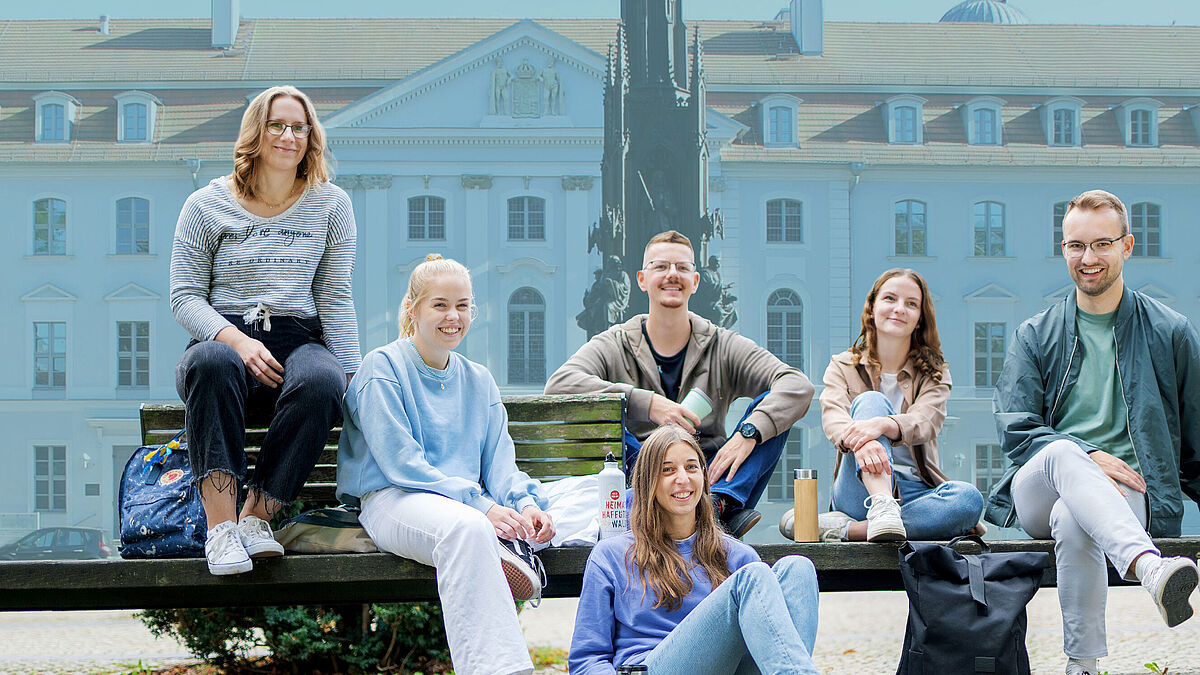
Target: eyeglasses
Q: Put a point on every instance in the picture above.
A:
(276, 128)
(663, 266)
(1075, 249)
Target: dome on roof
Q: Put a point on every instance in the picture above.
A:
(985, 11)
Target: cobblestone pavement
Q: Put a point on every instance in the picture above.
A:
(113, 641)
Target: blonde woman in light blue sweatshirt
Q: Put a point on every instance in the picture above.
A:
(425, 452)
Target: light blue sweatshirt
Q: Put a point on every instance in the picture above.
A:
(410, 426)
(615, 623)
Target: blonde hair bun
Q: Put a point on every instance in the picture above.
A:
(433, 256)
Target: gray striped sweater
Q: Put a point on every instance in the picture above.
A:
(226, 260)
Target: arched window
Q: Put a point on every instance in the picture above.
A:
(785, 220)
(526, 219)
(780, 129)
(1060, 212)
(49, 227)
(133, 225)
(526, 337)
(910, 227)
(1145, 224)
(134, 116)
(906, 124)
(785, 327)
(427, 218)
(54, 126)
(989, 229)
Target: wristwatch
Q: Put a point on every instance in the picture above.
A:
(748, 430)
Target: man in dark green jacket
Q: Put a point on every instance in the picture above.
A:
(1098, 408)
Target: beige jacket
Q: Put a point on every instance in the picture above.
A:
(920, 418)
(723, 364)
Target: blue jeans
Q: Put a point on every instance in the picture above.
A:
(753, 475)
(941, 512)
(759, 620)
(218, 393)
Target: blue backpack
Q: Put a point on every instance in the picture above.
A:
(161, 515)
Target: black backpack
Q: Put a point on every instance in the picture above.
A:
(966, 613)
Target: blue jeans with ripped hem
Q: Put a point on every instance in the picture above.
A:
(218, 392)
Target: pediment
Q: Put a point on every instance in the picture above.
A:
(991, 293)
(1158, 294)
(1058, 294)
(132, 292)
(48, 293)
(527, 263)
(457, 92)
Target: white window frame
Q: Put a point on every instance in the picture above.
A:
(116, 238)
(134, 354)
(33, 227)
(792, 105)
(795, 308)
(893, 104)
(52, 477)
(140, 97)
(509, 307)
(991, 103)
(408, 217)
(526, 238)
(1075, 105)
(924, 227)
(783, 225)
(987, 228)
(70, 106)
(1132, 107)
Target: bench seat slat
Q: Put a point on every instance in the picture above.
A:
(381, 577)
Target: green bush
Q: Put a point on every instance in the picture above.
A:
(343, 639)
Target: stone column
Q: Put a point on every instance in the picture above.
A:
(486, 337)
(369, 192)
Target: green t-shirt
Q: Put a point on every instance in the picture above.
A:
(1095, 410)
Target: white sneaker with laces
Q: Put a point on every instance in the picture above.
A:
(257, 538)
(831, 524)
(883, 519)
(523, 570)
(224, 551)
(1170, 582)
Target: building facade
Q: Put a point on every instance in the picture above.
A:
(837, 150)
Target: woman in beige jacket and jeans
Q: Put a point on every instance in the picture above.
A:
(883, 405)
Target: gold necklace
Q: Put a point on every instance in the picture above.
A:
(281, 202)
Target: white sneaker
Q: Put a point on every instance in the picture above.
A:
(831, 524)
(523, 570)
(883, 519)
(1076, 668)
(257, 538)
(1170, 582)
(224, 552)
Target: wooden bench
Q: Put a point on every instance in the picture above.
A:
(555, 436)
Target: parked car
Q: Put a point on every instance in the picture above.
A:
(59, 543)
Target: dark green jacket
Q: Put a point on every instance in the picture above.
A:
(1158, 362)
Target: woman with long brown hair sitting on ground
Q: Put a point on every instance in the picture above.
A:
(678, 595)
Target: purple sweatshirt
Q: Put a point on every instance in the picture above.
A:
(615, 625)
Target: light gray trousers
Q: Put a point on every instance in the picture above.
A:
(1062, 494)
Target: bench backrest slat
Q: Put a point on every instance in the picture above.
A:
(556, 436)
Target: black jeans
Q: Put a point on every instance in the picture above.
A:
(218, 392)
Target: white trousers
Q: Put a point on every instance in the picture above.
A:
(459, 542)
(1062, 494)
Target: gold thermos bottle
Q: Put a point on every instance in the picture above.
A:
(804, 521)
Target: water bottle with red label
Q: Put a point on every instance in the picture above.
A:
(614, 512)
